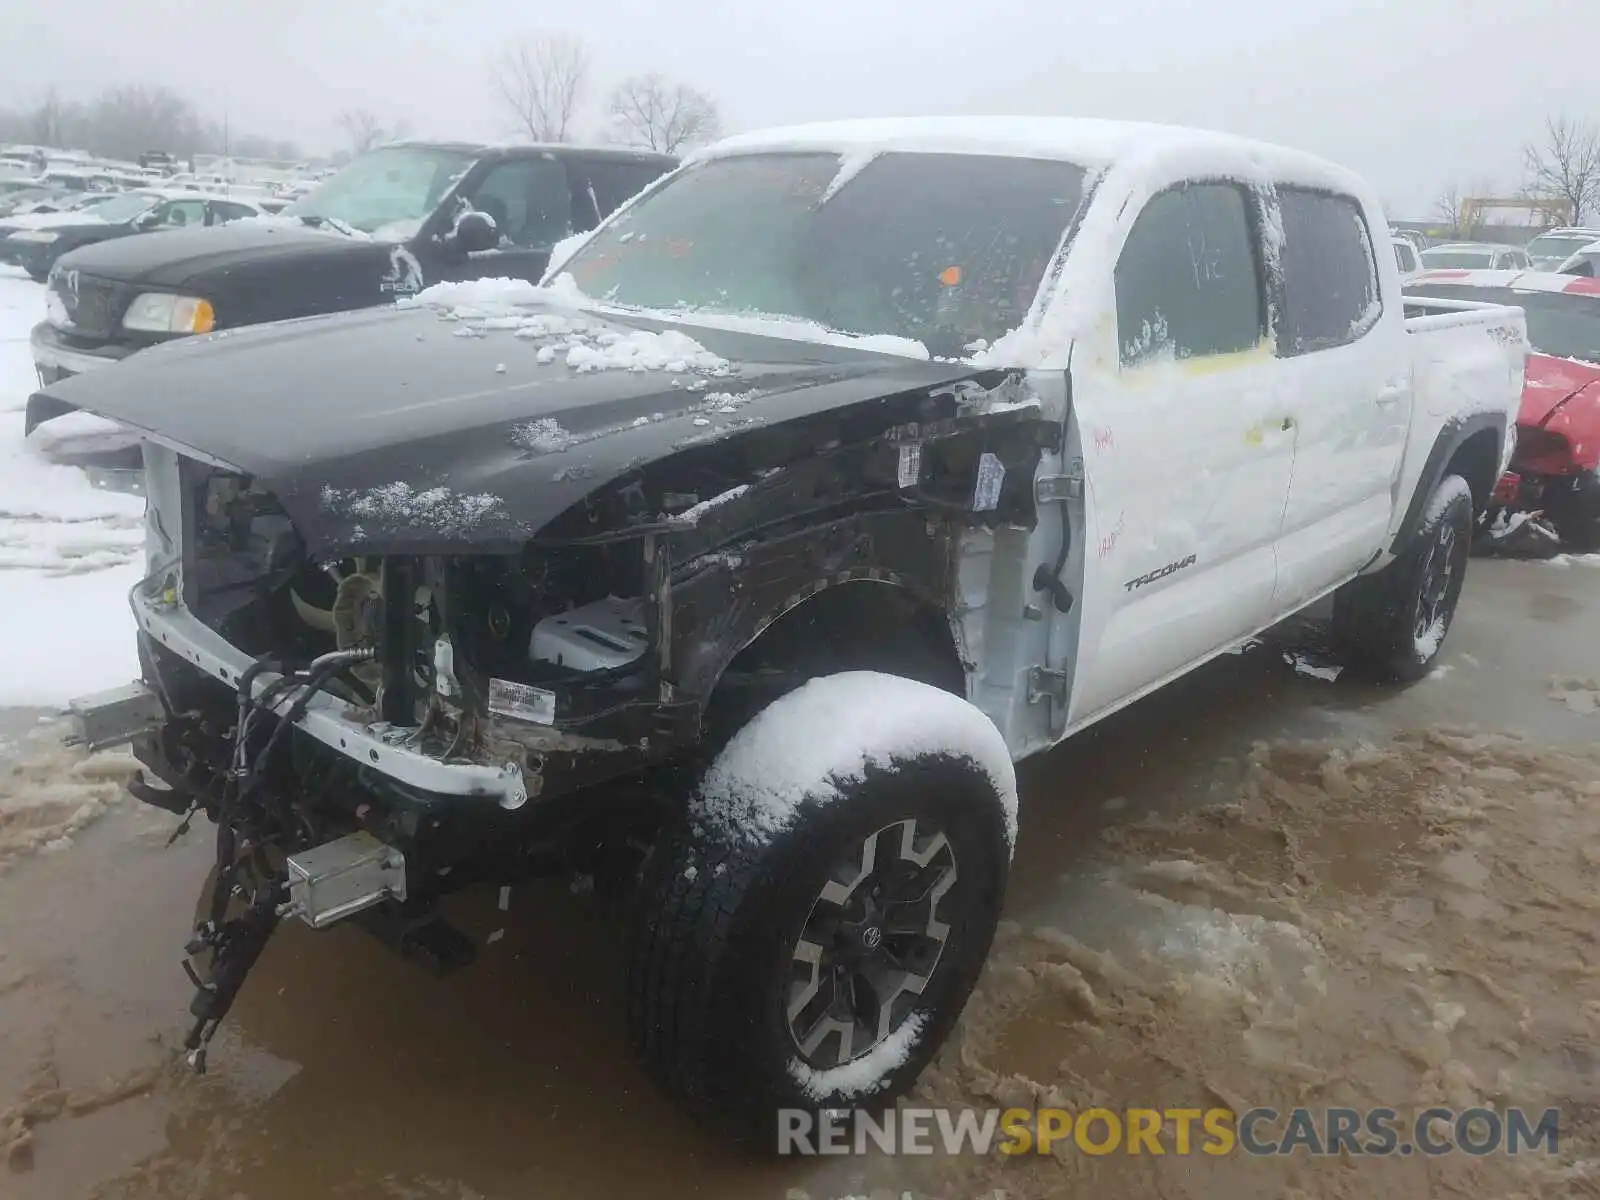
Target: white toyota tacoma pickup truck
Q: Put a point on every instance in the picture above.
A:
(737, 564)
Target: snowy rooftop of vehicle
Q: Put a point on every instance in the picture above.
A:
(556, 149)
(172, 193)
(1084, 141)
(1484, 246)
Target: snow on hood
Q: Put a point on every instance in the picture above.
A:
(498, 303)
(51, 220)
(486, 305)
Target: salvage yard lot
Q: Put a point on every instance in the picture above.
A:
(67, 551)
(1258, 887)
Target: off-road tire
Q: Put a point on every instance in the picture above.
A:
(718, 916)
(1376, 618)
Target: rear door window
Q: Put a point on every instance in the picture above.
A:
(1189, 282)
(1330, 277)
(611, 183)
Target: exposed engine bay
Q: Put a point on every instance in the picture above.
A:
(465, 695)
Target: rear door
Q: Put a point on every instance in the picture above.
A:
(1186, 461)
(1345, 386)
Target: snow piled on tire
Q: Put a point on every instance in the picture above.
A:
(798, 749)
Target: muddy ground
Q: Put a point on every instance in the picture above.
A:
(1258, 888)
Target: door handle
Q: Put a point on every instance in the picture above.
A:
(1286, 424)
(1391, 395)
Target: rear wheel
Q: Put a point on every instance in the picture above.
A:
(810, 937)
(1395, 621)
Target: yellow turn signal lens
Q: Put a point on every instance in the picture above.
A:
(201, 317)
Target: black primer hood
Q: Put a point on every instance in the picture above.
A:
(398, 430)
(204, 260)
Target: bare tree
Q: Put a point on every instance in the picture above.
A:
(541, 80)
(649, 110)
(1452, 208)
(122, 122)
(1567, 165)
(49, 119)
(366, 131)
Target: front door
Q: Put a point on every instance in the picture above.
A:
(1184, 442)
(530, 200)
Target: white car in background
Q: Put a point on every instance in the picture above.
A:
(1474, 256)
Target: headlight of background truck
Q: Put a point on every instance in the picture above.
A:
(34, 237)
(162, 312)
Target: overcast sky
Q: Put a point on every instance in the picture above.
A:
(1412, 93)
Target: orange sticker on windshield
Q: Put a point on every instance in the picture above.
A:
(950, 276)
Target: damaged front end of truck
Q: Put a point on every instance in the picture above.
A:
(461, 637)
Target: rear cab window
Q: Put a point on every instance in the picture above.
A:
(605, 185)
(1189, 281)
(1329, 272)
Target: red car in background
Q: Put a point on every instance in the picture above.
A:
(1556, 465)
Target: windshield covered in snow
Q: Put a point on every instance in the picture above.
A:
(389, 191)
(944, 249)
(1559, 323)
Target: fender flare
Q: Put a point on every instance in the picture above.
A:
(1451, 438)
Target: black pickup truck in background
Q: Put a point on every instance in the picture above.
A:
(389, 224)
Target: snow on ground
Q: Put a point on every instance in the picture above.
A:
(69, 553)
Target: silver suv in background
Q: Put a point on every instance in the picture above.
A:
(1549, 251)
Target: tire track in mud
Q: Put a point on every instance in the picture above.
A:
(1404, 926)
(51, 791)
(1401, 925)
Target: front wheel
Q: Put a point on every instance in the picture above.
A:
(38, 274)
(1395, 621)
(809, 938)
